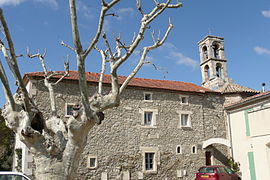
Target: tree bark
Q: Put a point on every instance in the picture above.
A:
(56, 146)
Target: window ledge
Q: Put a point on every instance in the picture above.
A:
(148, 127)
(184, 103)
(150, 171)
(185, 127)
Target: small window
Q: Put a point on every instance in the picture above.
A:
(193, 150)
(148, 96)
(30, 165)
(149, 161)
(184, 99)
(148, 118)
(69, 109)
(92, 162)
(184, 120)
(178, 150)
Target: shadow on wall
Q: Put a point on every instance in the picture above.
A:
(218, 155)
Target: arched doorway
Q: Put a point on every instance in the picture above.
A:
(216, 151)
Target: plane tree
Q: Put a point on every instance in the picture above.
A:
(56, 146)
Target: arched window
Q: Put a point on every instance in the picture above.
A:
(205, 52)
(178, 150)
(194, 150)
(206, 72)
(218, 70)
(216, 51)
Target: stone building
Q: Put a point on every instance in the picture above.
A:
(162, 129)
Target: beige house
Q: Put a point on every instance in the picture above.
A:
(162, 129)
(249, 122)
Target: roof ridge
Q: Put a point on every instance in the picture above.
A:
(136, 82)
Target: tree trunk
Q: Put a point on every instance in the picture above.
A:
(48, 168)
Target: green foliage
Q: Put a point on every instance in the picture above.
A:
(19, 159)
(235, 166)
(6, 146)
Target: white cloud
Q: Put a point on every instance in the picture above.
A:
(52, 3)
(125, 12)
(261, 50)
(182, 59)
(178, 57)
(85, 10)
(266, 13)
(106, 25)
(10, 2)
(170, 46)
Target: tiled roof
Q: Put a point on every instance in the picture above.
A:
(234, 88)
(135, 82)
(250, 99)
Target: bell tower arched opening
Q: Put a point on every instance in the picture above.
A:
(206, 73)
(205, 53)
(218, 70)
(216, 51)
(213, 62)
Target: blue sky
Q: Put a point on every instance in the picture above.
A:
(245, 25)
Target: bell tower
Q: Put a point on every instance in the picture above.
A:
(213, 62)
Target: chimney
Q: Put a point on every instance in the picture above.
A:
(263, 87)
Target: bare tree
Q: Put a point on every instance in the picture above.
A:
(57, 146)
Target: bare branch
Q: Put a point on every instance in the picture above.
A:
(119, 46)
(104, 3)
(112, 14)
(74, 25)
(80, 54)
(66, 67)
(20, 55)
(13, 62)
(41, 58)
(143, 56)
(6, 86)
(104, 9)
(158, 10)
(103, 68)
(139, 7)
(156, 2)
(48, 75)
(146, 19)
(134, 37)
(68, 46)
(108, 46)
(153, 36)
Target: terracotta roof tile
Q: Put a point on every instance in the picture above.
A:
(249, 99)
(234, 88)
(136, 82)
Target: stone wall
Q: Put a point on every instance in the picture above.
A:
(119, 141)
